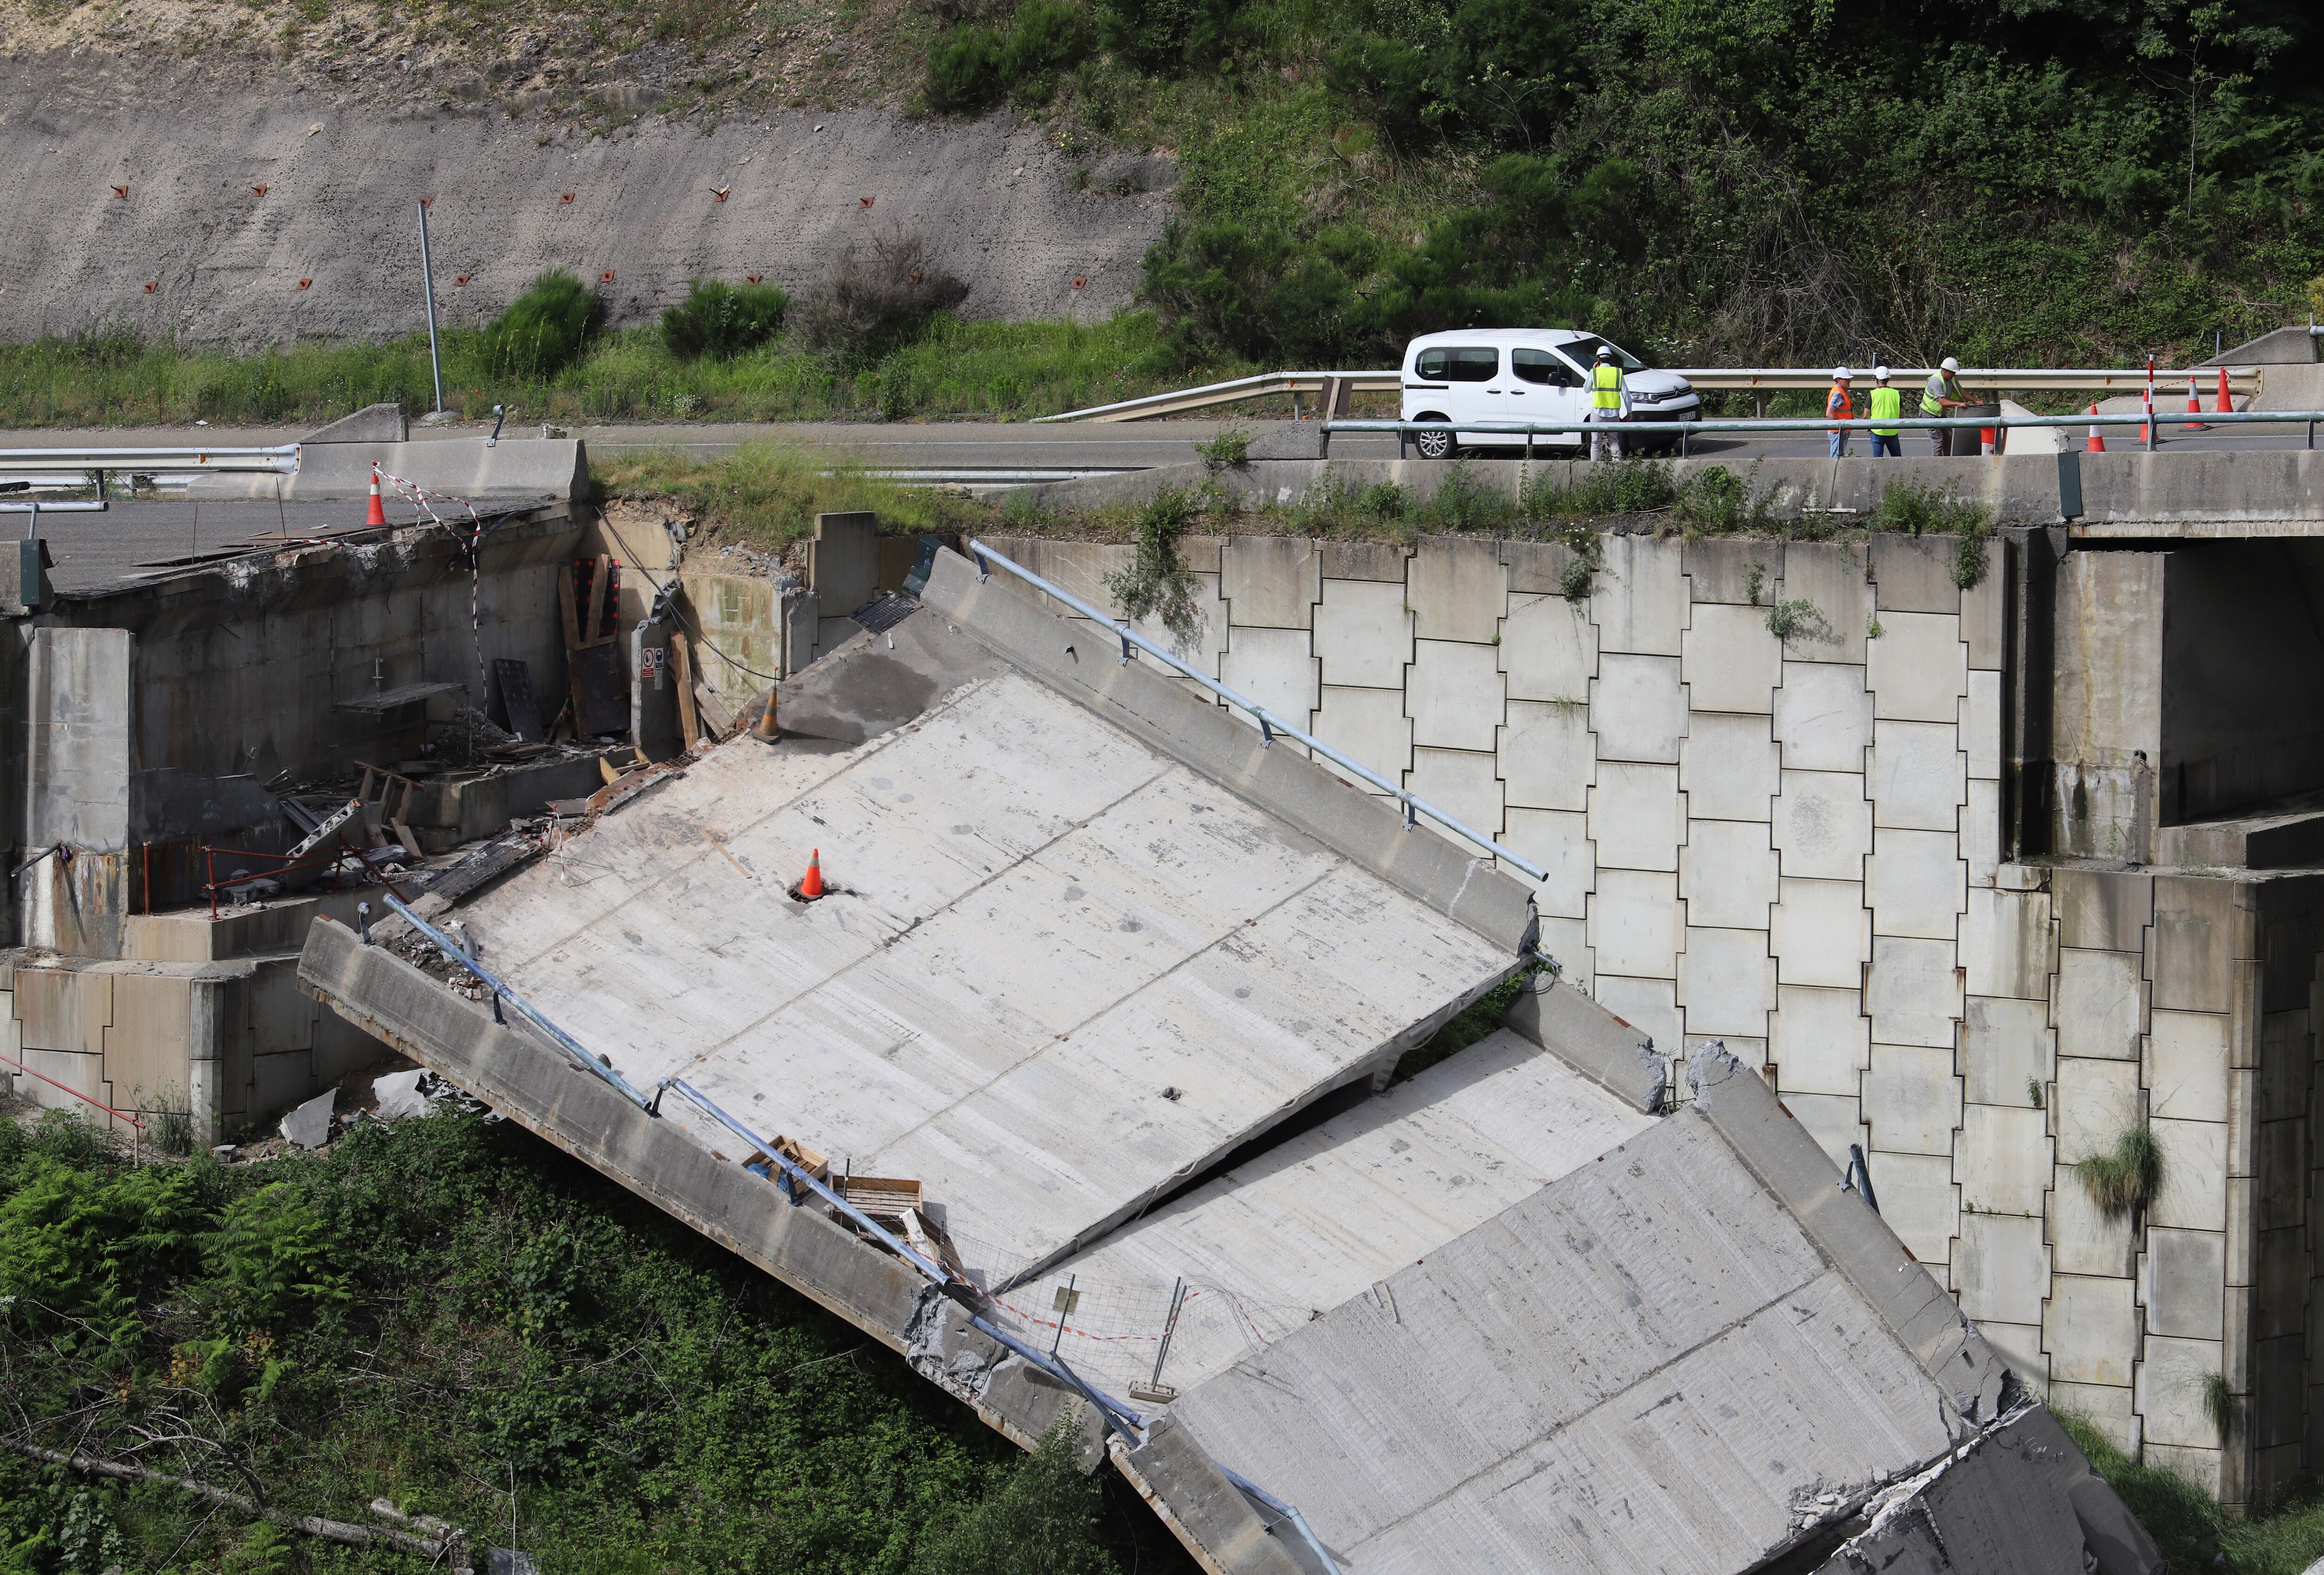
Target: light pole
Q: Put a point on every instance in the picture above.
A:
(428, 284)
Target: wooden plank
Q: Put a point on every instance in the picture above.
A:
(681, 672)
(601, 694)
(411, 843)
(517, 698)
(715, 714)
(597, 583)
(564, 606)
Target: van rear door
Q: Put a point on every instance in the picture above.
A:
(1466, 382)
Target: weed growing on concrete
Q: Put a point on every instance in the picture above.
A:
(2125, 1181)
(170, 1123)
(1633, 486)
(1156, 583)
(2188, 1526)
(1586, 551)
(2034, 1092)
(1969, 560)
(1787, 619)
(1872, 630)
(1465, 501)
(1915, 508)
(1716, 502)
(1228, 448)
(766, 495)
(2219, 1404)
(1754, 581)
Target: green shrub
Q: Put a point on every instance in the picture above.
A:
(545, 330)
(1226, 450)
(2125, 1181)
(968, 69)
(973, 68)
(723, 320)
(1170, 36)
(1157, 584)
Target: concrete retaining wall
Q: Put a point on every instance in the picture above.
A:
(1795, 847)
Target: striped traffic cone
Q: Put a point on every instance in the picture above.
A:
(2194, 404)
(378, 515)
(811, 886)
(2097, 445)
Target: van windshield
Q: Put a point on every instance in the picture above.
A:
(1462, 366)
(1584, 351)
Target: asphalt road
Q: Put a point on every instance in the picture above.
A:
(949, 447)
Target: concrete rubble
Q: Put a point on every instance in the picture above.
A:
(1094, 1038)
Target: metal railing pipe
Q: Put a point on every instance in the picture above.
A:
(1289, 1512)
(2162, 418)
(1269, 723)
(525, 1008)
(282, 460)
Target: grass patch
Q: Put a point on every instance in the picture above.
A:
(956, 369)
(766, 494)
(2192, 1531)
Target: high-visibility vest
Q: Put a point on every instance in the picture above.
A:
(1606, 386)
(1888, 405)
(1940, 388)
(1840, 405)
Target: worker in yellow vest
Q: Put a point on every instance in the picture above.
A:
(1840, 405)
(1944, 397)
(1609, 402)
(1888, 405)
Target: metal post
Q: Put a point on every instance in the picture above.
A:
(1064, 1311)
(2150, 404)
(1169, 1326)
(428, 284)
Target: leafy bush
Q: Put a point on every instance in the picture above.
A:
(1156, 583)
(1170, 36)
(545, 330)
(875, 297)
(973, 68)
(723, 320)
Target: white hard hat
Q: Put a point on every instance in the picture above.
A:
(1881, 373)
(1948, 365)
(1605, 352)
(1841, 374)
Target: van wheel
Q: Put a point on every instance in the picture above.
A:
(1436, 443)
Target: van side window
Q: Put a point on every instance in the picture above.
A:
(1541, 366)
(1458, 366)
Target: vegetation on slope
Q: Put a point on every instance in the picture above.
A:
(2190, 1528)
(450, 1314)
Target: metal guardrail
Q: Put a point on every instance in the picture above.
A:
(278, 461)
(1269, 724)
(1762, 379)
(1647, 427)
(1119, 1417)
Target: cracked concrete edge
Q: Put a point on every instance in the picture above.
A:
(1161, 712)
(1207, 1514)
(544, 1092)
(1856, 1240)
(1619, 1058)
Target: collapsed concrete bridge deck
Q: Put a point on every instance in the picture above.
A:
(1094, 945)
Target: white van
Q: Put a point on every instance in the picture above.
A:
(1524, 374)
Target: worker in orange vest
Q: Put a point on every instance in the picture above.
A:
(1840, 405)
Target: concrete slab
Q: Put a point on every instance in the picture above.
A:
(2091, 1328)
(1461, 783)
(1637, 706)
(1370, 726)
(1273, 667)
(2195, 1175)
(1914, 574)
(1821, 1042)
(1648, 1006)
(1043, 924)
(1455, 696)
(1916, 776)
(2002, 1267)
(1834, 1121)
(2083, 1241)
(1824, 825)
(1980, 832)
(2108, 1408)
(1821, 934)
(1320, 1219)
(2097, 1102)
(2101, 1004)
(1363, 632)
(1549, 648)
(1981, 727)
(1638, 600)
(1636, 816)
(1732, 662)
(2008, 1052)
(2103, 910)
(1727, 873)
(1726, 982)
(1918, 669)
(2003, 1159)
(2170, 1385)
(1633, 925)
(1459, 589)
(1919, 1202)
(2186, 1272)
(1270, 581)
(1549, 758)
(1728, 767)
(1917, 882)
(2005, 943)
(1912, 992)
(2187, 1064)
(1823, 715)
(1911, 1098)
(1559, 841)
(1831, 576)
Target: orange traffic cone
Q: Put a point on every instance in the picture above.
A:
(2225, 407)
(812, 886)
(2097, 445)
(378, 516)
(2194, 405)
